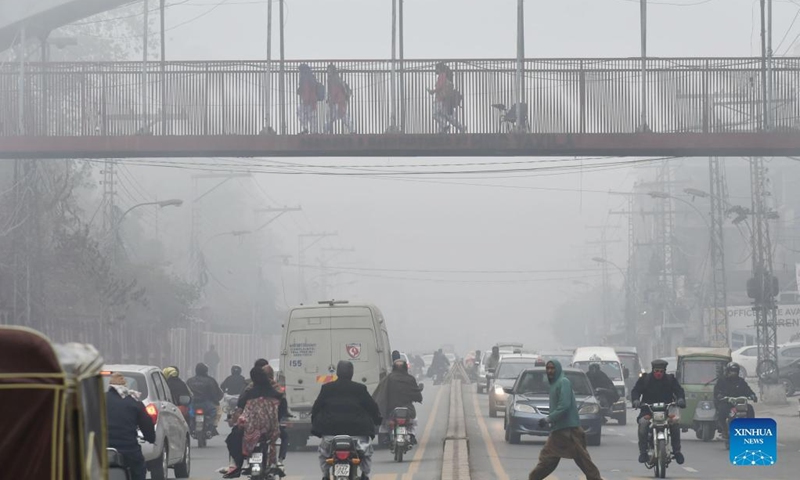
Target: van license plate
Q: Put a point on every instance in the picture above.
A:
(341, 470)
(256, 457)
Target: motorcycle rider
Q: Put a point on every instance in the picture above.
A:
(207, 393)
(658, 387)
(345, 407)
(599, 379)
(125, 414)
(439, 364)
(177, 387)
(235, 383)
(399, 389)
(731, 385)
(260, 406)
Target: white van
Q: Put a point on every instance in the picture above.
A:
(315, 339)
(610, 364)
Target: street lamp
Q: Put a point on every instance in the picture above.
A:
(174, 202)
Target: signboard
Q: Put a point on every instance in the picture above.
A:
(742, 318)
(353, 350)
(754, 442)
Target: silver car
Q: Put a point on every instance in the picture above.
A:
(172, 448)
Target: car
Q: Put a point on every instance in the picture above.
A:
(610, 364)
(173, 447)
(747, 358)
(787, 354)
(507, 372)
(529, 401)
(504, 349)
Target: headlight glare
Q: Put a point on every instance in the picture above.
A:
(589, 409)
(522, 408)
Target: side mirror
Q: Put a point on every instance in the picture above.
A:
(490, 375)
(421, 387)
(184, 400)
(509, 390)
(625, 373)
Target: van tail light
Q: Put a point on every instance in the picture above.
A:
(153, 412)
(342, 455)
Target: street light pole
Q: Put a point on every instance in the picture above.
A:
(630, 326)
(175, 202)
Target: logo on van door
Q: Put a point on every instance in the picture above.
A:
(353, 350)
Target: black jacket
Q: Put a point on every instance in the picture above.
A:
(234, 385)
(732, 387)
(344, 407)
(125, 415)
(205, 389)
(398, 389)
(600, 380)
(652, 390)
(178, 388)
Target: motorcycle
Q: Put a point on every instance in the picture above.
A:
(738, 410)
(344, 458)
(257, 467)
(200, 427)
(117, 469)
(659, 444)
(229, 405)
(604, 396)
(400, 440)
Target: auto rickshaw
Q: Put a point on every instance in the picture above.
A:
(697, 371)
(54, 409)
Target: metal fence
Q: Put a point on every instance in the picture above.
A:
(242, 98)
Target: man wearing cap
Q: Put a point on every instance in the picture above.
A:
(126, 415)
(658, 387)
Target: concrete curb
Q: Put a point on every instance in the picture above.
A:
(455, 461)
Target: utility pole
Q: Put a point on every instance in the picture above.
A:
(282, 78)
(301, 258)
(603, 243)
(195, 256)
(393, 76)
(324, 266)
(402, 67)
(145, 38)
(665, 225)
(718, 194)
(643, 127)
(110, 207)
(268, 82)
(520, 90)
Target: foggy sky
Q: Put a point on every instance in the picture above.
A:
(394, 224)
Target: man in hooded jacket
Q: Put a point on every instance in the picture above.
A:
(658, 387)
(599, 379)
(207, 393)
(567, 439)
(235, 383)
(399, 389)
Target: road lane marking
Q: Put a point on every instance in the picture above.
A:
(426, 436)
(690, 469)
(497, 465)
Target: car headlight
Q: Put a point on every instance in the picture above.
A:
(498, 390)
(522, 408)
(589, 409)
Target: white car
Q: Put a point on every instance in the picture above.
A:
(173, 445)
(747, 358)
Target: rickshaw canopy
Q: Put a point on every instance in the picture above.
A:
(54, 404)
(703, 351)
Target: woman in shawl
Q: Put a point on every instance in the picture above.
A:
(259, 416)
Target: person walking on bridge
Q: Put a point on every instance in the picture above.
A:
(567, 439)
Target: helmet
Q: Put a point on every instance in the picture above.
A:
(170, 372)
(732, 369)
(236, 370)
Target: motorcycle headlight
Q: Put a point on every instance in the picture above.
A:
(522, 408)
(589, 409)
(659, 416)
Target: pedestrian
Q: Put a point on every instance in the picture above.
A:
(125, 415)
(211, 359)
(339, 94)
(567, 439)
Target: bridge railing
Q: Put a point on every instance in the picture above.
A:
(238, 98)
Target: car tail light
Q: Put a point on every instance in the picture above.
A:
(153, 412)
(342, 455)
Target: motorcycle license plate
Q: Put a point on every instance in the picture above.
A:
(341, 470)
(256, 457)
(401, 430)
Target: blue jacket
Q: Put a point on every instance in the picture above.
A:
(563, 409)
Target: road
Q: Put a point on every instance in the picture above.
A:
(424, 462)
(491, 458)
